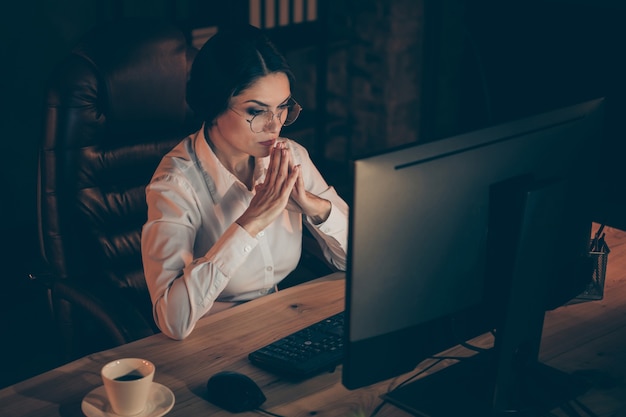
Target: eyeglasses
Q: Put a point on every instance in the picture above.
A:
(286, 115)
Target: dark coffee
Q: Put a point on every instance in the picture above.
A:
(129, 377)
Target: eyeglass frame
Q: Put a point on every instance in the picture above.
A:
(291, 102)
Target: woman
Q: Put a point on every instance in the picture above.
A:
(226, 206)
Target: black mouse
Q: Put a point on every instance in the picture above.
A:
(234, 392)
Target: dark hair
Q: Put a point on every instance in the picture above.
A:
(228, 63)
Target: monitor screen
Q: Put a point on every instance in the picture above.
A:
(440, 231)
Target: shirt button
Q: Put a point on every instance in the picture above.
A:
(261, 233)
(247, 248)
(269, 268)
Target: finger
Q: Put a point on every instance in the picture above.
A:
(276, 168)
(273, 164)
(298, 188)
(276, 173)
(300, 180)
(291, 180)
(282, 173)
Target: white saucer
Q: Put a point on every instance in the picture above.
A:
(160, 401)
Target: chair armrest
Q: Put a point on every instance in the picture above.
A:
(43, 281)
(112, 316)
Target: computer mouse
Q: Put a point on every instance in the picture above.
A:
(234, 392)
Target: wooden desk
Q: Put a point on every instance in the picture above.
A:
(219, 342)
(588, 338)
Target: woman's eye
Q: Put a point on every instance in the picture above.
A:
(255, 112)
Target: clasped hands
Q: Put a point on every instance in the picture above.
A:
(282, 189)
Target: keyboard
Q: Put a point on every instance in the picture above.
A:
(305, 353)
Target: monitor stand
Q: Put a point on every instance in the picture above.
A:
(525, 224)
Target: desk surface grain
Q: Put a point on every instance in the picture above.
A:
(219, 342)
(588, 339)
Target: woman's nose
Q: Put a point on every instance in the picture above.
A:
(274, 125)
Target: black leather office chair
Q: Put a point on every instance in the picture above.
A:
(113, 108)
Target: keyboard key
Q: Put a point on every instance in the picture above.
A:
(305, 353)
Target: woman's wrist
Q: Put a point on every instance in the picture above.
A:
(321, 213)
(251, 226)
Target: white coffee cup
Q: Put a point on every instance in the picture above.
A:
(127, 383)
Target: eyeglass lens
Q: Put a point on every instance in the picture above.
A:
(285, 116)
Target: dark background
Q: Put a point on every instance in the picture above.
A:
(511, 59)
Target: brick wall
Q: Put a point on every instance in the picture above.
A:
(384, 73)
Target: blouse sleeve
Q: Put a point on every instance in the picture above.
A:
(332, 234)
(184, 289)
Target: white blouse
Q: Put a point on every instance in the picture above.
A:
(194, 253)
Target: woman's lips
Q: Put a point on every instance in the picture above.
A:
(268, 142)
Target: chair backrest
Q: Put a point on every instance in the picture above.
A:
(113, 108)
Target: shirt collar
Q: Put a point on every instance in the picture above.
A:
(220, 179)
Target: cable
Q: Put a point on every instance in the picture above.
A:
(377, 409)
(437, 361)
(267, 413)
(406, 381)
(474, 348)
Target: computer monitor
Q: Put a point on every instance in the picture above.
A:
(481, 232)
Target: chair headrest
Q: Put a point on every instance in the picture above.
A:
(127, 60)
